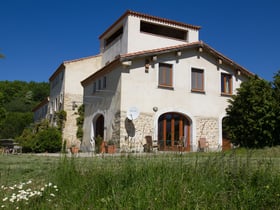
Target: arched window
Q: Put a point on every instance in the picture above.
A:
(173, 132)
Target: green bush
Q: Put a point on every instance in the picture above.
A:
(40, 137)
(48, 140)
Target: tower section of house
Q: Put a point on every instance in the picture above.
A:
(66, 92)
(135, 31)
(178, 87)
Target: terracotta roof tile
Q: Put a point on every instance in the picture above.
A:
(158, 51)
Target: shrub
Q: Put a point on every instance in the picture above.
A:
(48, 140)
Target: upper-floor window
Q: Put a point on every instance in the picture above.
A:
(104, 82)
(115, 35)
(99, 84)
(94, 87)
(226, 84)
(197, 80)
(165, 75)
(162, 30)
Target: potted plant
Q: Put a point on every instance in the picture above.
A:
(99, 144)
(74, 149)
(110, 147)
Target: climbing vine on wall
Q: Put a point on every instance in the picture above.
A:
(80, 122)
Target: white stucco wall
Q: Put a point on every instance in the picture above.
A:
(140, 89)
(146, 41)
(132, 40)
(105, 102)
(77, 71)
(68, 89)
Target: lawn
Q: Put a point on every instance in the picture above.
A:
(239, 179)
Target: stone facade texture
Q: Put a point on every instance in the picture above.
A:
(208, 128)
(133, 132)
(70, 128)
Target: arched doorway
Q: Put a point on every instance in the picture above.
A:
(99, 126)
(173, 132)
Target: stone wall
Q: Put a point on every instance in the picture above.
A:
(208, 128)
(133, 132)
(70, 128)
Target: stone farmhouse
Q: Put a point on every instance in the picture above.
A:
(158, 80)
(66, 93)
(153, 78)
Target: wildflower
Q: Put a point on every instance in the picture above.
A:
(4, 199)
(53, 195)
(3, 206)
(267, 186)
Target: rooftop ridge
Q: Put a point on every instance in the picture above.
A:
(151, 17)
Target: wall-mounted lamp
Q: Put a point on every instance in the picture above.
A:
(126, 63)
(147, 65)
(178, 53)
(155, 109)
(238, 72)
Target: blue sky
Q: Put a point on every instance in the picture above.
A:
(36, 36)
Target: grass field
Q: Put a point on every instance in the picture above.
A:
(239, 179)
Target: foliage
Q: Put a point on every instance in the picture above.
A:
(15, 123)
(251, 120)
(98, 142)
(60, 117)
(80, 122)
(20, 96)
(41, 138)
(48, 140)
(21, 194)
(249, 180)
(276, 91)
(17, 99)
(111, 142)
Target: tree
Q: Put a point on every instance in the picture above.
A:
(17, 99)
(14, 124)
(251, 117)
(276, 92)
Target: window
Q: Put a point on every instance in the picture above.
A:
(197, 80)
(161, 30)
(226, 84)
(114, 36)
(165, 75)
(94, 87)
(99, 84)
(104, 82)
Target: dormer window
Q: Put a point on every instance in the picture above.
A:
(162, 30)
(114, 36)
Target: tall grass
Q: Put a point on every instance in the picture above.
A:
(234, 180)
